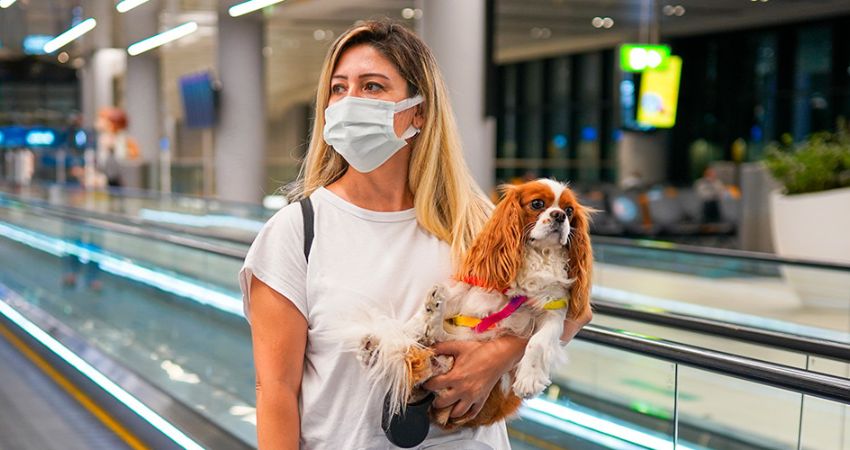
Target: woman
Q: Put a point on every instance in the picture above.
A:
(395, 207)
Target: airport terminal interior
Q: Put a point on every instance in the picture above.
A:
(145, 143)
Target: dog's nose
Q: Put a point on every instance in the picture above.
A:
(558, 215)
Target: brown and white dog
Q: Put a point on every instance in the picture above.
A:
(525, 273)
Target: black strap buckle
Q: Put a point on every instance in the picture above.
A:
(410, 428)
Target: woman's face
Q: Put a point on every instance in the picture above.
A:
(362, 71)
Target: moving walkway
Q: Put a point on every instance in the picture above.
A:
(157, 314)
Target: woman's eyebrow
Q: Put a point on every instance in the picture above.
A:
(365, 75)
(369, 75)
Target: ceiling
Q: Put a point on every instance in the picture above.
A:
(298, 32)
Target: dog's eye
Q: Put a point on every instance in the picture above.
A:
(537, 204)
(569, 211)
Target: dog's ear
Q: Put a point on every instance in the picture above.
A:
(496, 254)
(580, 260)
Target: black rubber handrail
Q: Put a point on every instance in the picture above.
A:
(717, 252)
(775, 339)
(820, 385)
(152, 233)
(124, 219)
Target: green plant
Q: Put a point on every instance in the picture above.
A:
(819, 163)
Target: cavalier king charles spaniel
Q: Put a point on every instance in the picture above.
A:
(525, 273)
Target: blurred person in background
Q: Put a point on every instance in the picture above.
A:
(710, 190)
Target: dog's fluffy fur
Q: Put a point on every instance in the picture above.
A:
(536, 244)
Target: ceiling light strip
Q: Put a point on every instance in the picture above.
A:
(162, 38)
(127, 5)
(249, 7)
(69, 36)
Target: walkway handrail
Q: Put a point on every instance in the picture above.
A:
(152, 233)
(118, 218)
(718, 252)
(820, 385)
(596, 239)
(776, 339)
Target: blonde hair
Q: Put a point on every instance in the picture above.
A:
(449, 203)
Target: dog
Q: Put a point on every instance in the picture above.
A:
(526, 272)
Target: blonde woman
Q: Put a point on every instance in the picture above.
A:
(395, 207)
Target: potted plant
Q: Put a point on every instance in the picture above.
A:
(811, 217)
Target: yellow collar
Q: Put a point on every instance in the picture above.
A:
(472, 322)
(560, 303)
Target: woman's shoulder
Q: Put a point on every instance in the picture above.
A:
(286, 221)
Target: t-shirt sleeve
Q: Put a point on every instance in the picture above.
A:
(277, 259)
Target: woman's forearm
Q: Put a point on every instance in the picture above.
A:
(278, 420)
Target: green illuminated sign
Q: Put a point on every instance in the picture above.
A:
(639, 57)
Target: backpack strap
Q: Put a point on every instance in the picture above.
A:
(307, 214)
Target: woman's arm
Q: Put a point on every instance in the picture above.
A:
(478, 366)
(279, 335)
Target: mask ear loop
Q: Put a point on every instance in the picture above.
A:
(405, 105)
(408, 103)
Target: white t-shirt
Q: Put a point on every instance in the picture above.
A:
(359, 258)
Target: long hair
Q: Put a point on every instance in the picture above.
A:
(496, 254)
(449, 204)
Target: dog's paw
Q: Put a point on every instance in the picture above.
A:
(435, 299)
(530, 382)
(367, 352)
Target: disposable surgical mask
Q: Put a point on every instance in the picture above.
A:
(362, 130)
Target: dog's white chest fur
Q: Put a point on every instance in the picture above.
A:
(542, 276)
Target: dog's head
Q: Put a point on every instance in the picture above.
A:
(539, 213)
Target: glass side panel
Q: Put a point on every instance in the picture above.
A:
(826, 425)
(799, 300)
(724, 412)
(603, 397)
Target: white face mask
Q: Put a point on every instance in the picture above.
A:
(362, 130)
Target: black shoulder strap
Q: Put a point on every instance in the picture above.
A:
(307, 214)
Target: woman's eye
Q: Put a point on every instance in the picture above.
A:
(337, 89)
(569, 211)
(537, 204)
(373, 87)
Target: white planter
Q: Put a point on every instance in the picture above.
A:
(814, 226)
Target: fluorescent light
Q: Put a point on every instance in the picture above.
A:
(68, 36)
(250, 6)
(6, 3)
(127, 5)
(624, 432)
(162, 38)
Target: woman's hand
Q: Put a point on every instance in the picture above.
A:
(478, 365)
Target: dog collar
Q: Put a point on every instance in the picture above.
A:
(482, 325)
(560, 303)
(475, 281)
